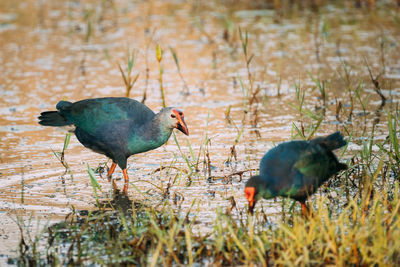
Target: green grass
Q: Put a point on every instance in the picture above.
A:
(129, 80)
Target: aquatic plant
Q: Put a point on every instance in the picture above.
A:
(129, 81)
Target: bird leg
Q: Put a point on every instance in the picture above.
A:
(126, 181)
(111, 171)
(304, 209)
(109, 174)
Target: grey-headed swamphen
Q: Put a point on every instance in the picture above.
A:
(295, 169)
(117, 127)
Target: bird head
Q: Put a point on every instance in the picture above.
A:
(176, 120)
(251, 191)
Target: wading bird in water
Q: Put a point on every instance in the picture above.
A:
(117, 127)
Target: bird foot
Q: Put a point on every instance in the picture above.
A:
(126, 188)
(114, 185)
(116, 192)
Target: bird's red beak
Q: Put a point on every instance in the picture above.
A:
(181, 125)
(250, 192)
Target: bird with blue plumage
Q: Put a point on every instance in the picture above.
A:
(295, 169)
(117, 127)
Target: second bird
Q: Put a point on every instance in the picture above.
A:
(117, 127)
(295, 169)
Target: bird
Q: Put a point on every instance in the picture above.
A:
(116, 127)
(295, 169)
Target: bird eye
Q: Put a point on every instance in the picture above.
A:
(173, 116)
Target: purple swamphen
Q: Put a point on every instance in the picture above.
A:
(295, 169)
(117, 127)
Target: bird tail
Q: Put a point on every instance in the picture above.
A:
(52, 118)
(331, 142)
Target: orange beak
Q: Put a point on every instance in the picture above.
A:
(181, 125)
(250, 192)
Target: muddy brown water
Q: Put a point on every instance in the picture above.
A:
(54, 50)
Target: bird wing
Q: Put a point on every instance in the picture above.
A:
(92, 114)
(316, 164)
(309, 162)
(277, 166)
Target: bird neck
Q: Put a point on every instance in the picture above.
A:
(158, 129)
(265, 192)
(149, 136)
(263, 189)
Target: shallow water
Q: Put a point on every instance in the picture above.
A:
(48, 54)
